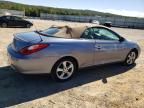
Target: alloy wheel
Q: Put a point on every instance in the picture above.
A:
(65, 70)
(131, 58)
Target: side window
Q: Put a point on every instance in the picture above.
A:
(17, 18)
(104, 34)
(7, 17)
(88, 34)
(12, 18)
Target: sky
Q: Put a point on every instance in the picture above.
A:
(121, 7)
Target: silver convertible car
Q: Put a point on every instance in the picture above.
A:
(62, 50)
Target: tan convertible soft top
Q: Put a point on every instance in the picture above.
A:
(70, 32)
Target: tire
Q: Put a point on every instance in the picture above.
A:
(4, 25)
(64, 70)
(131, 57)
(28, 26)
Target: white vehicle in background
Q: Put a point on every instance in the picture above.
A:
(94, 22)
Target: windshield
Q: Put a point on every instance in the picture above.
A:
(18, 18)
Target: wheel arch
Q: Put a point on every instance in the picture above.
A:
(136, 50)
(3, 23)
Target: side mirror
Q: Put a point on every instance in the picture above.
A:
(121, 39)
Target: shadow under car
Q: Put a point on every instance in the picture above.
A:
(16, 88)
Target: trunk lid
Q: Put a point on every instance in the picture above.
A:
(23, 40)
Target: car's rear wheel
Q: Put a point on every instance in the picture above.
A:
(4, 25)
(64, 69)
(131, 57)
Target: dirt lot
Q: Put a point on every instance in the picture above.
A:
(109, 86)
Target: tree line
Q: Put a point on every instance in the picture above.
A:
(34, 11)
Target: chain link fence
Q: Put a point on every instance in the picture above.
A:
(116, 21)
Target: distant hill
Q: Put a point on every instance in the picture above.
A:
(34, 11)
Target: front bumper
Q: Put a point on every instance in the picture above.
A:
(30, 65)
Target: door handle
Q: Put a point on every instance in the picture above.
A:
(98, 47)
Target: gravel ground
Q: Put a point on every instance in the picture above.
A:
(108, 86)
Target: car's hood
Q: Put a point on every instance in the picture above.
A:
(28, 21)
(131, 41)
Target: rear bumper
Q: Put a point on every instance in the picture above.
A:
(30, 65)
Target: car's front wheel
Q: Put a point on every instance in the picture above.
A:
(64, 69)
(131, 57)
(28, 26)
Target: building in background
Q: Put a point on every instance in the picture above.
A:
(12, 12)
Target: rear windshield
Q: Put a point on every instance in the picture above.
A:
(61, 32)
(51, 31)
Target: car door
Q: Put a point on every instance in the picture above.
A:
(13, 21)
(108, 48)
(8, 20)
(17, 21)
(87, 48)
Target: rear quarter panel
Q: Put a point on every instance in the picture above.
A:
(1, 20)
(82, 50)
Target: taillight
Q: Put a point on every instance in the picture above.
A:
(33, 49)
